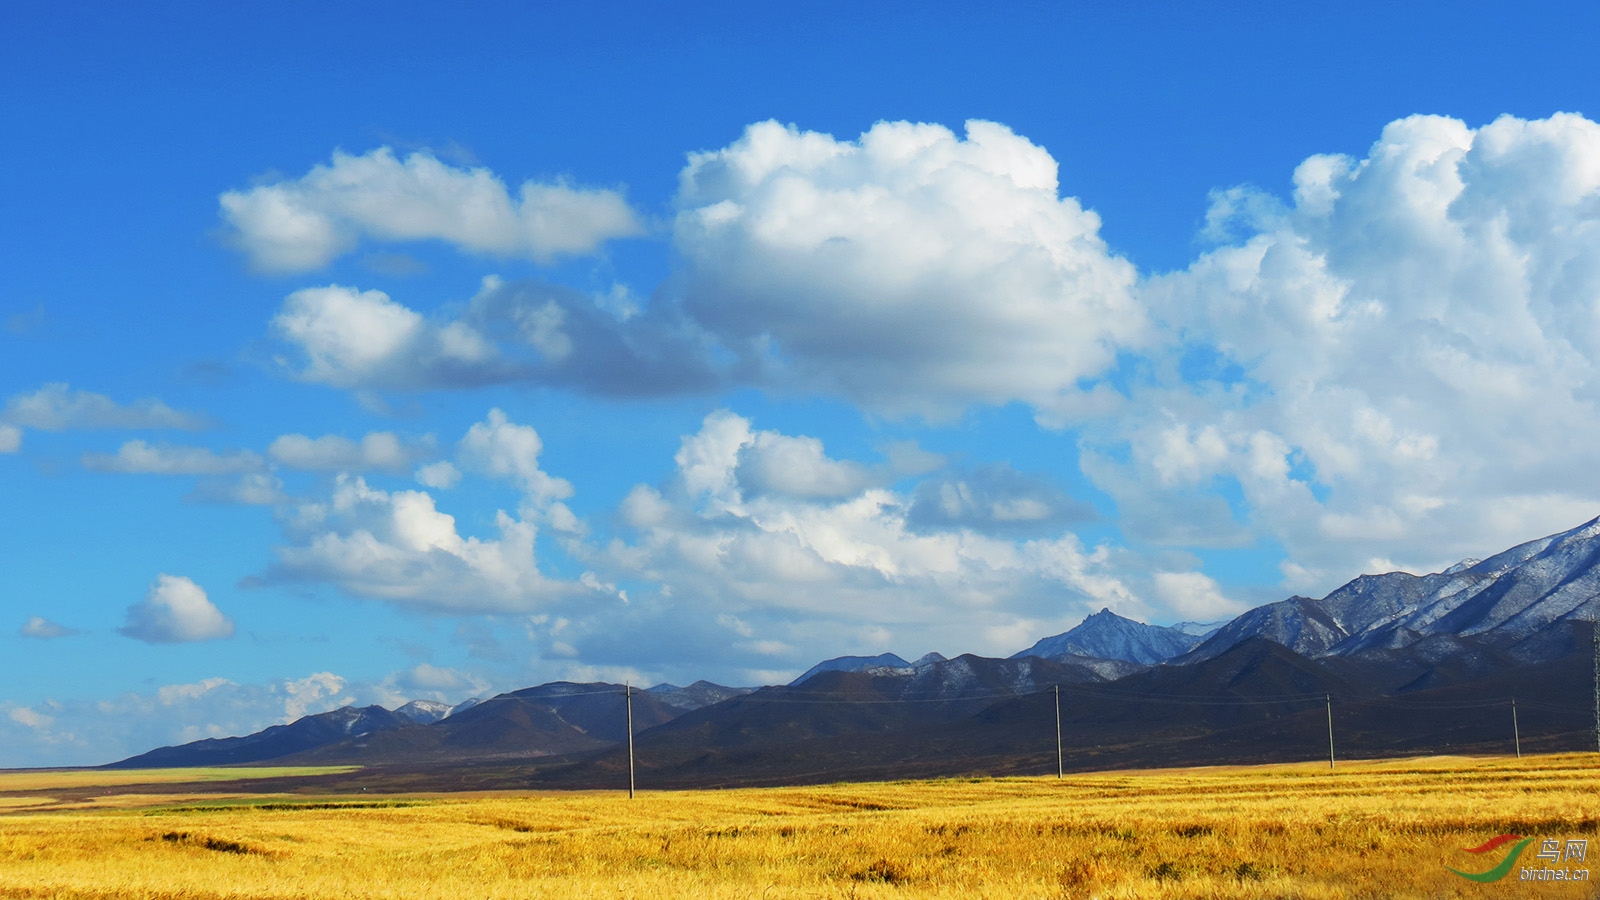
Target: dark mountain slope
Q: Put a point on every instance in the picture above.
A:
(272, 743)
(548, 720)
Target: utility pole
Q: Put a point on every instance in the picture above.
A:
(1329, 699)
(1594, 634)
(1516, 733)
(627, 693)
(1060, 766)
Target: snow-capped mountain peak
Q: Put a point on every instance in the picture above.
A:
(1106, 635)
(424, 712)
(1521, 599)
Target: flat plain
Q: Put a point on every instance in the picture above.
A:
(1367, 829)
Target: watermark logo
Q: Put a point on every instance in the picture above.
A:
(1551, 850)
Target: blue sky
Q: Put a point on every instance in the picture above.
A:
(383, 352)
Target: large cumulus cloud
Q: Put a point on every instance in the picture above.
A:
(1413, 338)
(910, 270)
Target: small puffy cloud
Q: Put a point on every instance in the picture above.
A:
(175, 610)
(335, 453)
(501, 448)
(995, 499)
(441, 475)
(363, 339)
(57, 407)
(317, 692)
(10, 439)
(301, 224)
(44, 629)
(22, 715)
(911, 270)
(139, 457)
(175, 694)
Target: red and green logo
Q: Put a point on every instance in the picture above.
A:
(1504, 868)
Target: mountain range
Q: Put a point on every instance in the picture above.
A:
(1402, 663)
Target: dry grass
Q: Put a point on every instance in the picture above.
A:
(58, 779)
(1369, 830)
(39, 789)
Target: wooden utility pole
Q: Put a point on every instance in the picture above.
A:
(1060, 766)
(1329, 699)
(1516, 733)
(627, 693)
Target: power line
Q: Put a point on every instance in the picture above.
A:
(1102, 692)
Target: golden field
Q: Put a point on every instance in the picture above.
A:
(1377, 829)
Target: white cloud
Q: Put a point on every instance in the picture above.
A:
(1195, 596)
(826, 572)
(399, 547)
(175, 694)
(175, 610)
(510, 332)
(441, 475)
(25, 716)
(358, 339)
(96, 731)
(317, 692)
(305, 223)
(504, 449)
(331, 452)
(57, 407)
(10, 439)
(235, 477)
(994, 499)
(827, 561)
(139, 457)
(1395, 364)
(775, 463)
(40, 627)
(426, 681)
(1414, 336)
(910, 270)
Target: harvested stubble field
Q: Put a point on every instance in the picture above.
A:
(1378, 829)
